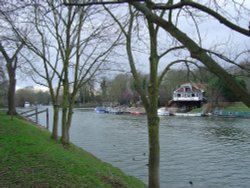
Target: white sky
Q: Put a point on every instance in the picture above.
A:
(212, 32)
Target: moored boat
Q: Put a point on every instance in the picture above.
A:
(189, 114)
(100, 109)
(137, 111)
(230, 114)
(114, 110)
(163, 112)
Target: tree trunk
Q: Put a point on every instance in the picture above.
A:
(55, 122)
(153, 136)
(11, 93)
(66, 125)
(65, 135)
(65, 105)
(65, 128)
(154, 151)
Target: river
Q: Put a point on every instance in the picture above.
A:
(209, 152)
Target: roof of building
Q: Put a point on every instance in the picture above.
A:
(194, 87)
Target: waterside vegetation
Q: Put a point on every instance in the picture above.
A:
(29, 158)
(230, 107)
(237, 107)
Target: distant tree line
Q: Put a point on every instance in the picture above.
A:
(32, 96)
(121, 89)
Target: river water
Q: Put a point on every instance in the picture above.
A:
(210, 152)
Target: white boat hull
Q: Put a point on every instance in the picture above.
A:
(188, 114)
(163, 112)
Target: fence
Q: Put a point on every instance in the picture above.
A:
(28, 114)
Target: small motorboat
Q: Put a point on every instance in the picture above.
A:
(137, 111)
(163, 112)
(100, 109)
(114, 110)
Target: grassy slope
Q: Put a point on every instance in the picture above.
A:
(234, 107)
(29, 158)
(237, 107)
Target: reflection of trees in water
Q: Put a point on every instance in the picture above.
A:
(229, 133)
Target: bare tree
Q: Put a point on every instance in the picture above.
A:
(11, 64)
(81, 55)
(149, 92)
(71, 47)
(195, 49)
(10, 45)
(42, 44)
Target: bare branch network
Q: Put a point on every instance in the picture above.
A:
(96, 2)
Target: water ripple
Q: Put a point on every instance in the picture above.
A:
(210, 152)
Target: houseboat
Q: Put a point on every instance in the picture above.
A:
(188, 96)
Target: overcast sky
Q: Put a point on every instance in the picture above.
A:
(212, 32)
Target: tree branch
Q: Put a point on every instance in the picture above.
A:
(197, 53)
(205, 9)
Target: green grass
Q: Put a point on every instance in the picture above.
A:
(233, 107)
(237, 107)
(29, 158)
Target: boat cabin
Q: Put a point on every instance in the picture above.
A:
(188, 92)
(188, 96)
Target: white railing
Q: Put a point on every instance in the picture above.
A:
(187, 98)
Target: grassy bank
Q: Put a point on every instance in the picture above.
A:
(237, 107)
(232, 107)
(29, 158)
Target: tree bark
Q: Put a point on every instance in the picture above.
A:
(65, 135)
(11, 90)
(11, 97)
(54, 135)
(66, 125)
(154, 151)
(65, 128)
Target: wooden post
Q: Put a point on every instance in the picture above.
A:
(47, 118)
